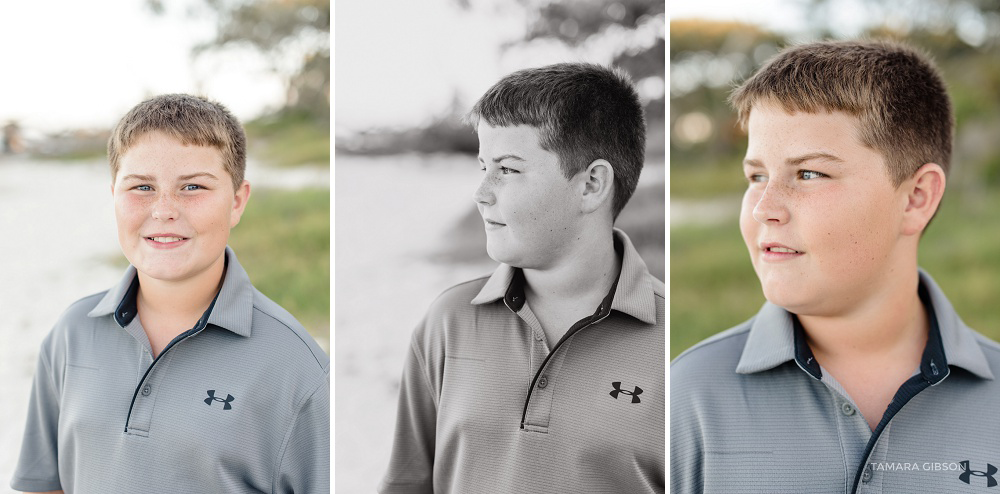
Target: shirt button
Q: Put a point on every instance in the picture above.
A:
(542, 382)
(847, 409)
(145, 390)
(867, 475)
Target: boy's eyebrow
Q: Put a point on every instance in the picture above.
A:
(798, 160)
(503, 157)
(147, 178)
(196, 175)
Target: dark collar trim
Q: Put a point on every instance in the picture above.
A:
(803, 354)
(127, 308)
(933, 364)
(514, 297)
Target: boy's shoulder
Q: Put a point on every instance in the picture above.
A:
(456, 302)
(270, 316)
(714, 356)
(77, 312)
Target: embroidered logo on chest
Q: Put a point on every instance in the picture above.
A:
(967, 473)
(618, 390)
(225, 403)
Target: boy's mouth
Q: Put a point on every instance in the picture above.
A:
(773, 252)
(165, 240)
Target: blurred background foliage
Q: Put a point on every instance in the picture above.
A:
(713, 286)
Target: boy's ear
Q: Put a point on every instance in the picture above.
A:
(925, 189)
(240, 199)
(598, 185)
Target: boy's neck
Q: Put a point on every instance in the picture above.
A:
(892, 323)
(181, 298)
(584, 275)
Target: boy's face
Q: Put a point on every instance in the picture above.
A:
(531, 211)
(820, 216)
(174, 205)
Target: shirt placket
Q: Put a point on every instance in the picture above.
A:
(540, 404)
(851, 425)
(140, 419)
(872, 477)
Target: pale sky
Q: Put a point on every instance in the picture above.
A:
(82, 64)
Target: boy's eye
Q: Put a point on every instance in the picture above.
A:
(144, 188)
(507, 171)
(757, 177)
(192, 187)
(809, 174)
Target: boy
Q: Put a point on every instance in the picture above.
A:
(857, 375)
(183, 377)
(548, 375)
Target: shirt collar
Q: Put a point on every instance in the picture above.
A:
(776, 336)
(632, 294)
(232, 308)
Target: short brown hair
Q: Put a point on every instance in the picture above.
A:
(894, 90)
(193, 120)
(583, 112)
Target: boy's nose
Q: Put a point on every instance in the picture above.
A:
(771, 208)
(165, 208)
(484, 193)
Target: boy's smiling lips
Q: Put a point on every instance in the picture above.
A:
(773, 251)
(165, 240)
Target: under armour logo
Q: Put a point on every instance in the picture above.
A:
(990, 470)
(211, 398)
(618, 390)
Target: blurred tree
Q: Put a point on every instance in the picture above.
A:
(705, 58)
(975, 22)
(292, 35)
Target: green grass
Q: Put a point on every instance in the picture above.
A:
(283, 241)
(289, 139)
(713, 286)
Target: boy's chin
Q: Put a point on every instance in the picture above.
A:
(793, 299)
(505, 256)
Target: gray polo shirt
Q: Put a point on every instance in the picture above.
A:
(751, 411)
(239, 403)
(486, 406)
